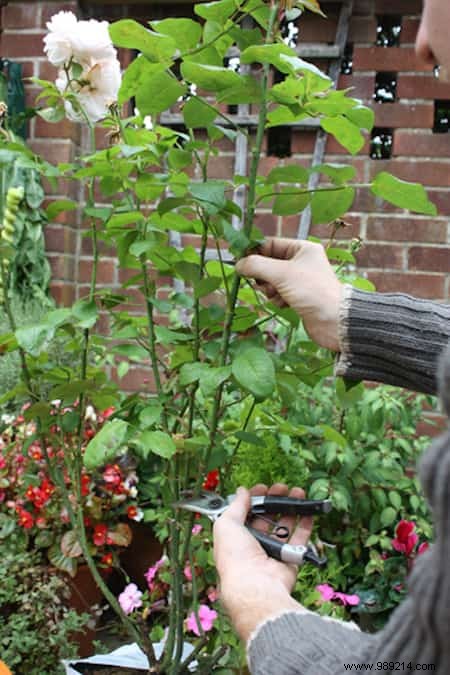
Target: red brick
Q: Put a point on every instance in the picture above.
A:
(267, 223)
(363, 86)
(18, 15)
(62, 293)
(428, 172)
(335, 148)
(421, 285)
(55, 151)
(60, 240)
(137, 379)
(441, 199)
(387, 228)
(429, 259)
(221, 167)
(302, 142)
(409, 31)
(17, 45)
(421, 144)
(47, 71)
(422, 86)
(409, 7)
(64, 130)
(363, 8)
(315, 29)
(362, 29)
(408, 115)
(62, 266)
(380, 256)
(106, 271)
(393, 59)
(50, 8)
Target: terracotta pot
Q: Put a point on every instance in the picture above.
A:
(84, 595)
(143, 552)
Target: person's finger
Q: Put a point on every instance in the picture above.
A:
(239, 507)
(281, 248)
(261, 268)
(262, 524)
(299, 530)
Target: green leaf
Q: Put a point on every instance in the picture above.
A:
(211, 78)
(333, 435)
(288, 202)
(253, 369)
(132, 352)
(328, 205)
(395, 500)
(178, 158)
(387, 516)
(288, 174)
(62, 562)
(106, 445)
(151, 414)
(158, 93)
(130, 34)
(121, 219)
(206, 286)
(167, 336)
(156, 443)
(34, 339)
(361, 116)
(59, 206)
(198, 114)
(7, 525)
(270, 53)
(192, 372)
(248, 437)
(411, 196)
(345, 132)
(215, 11)
(213, 378)
(339, 173)
(186, 33)
(211, 194)
(85, 313)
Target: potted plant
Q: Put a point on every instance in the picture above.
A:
(208, 341)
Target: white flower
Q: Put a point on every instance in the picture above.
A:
(58, 42)
(91, 42)
(89, 414)
(96, 90)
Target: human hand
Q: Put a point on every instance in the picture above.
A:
(298, 274)
(254, 587)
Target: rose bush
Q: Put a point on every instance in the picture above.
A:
(223, 361)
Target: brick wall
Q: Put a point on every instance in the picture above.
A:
(401, 252)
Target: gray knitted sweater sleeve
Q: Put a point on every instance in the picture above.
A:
(392, 338)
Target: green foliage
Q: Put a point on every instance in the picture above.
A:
(36, 625)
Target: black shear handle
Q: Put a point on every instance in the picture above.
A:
(285, 552)
(289, 506)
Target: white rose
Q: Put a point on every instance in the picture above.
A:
(99, 89)
(91, 42)
(58, 42)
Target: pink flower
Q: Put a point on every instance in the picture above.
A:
(405, 537)
(3, 465)
(328, 593)
(188, 572)
(197, 529)
(130, 598)
(212, 593)
(424, 546)
(206, 616)
(151, 573)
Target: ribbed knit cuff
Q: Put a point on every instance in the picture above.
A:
(391, 338)
(303, 643)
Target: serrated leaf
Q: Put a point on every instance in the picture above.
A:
(249, 437)
(288, 202)
(213, 378)
(106, 444)
(211, 78)
(186, 33)
(327, 205)
(156, 443)
(345, 132)
(85, 312)
(192, 372)
(33, 339)
(215, 11)
(411, 196)
(253, 369)
(206, 286)
(150, 414)
(198, 114)
(158, 93)
(132, 35)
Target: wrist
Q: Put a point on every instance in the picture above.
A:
(257, 605)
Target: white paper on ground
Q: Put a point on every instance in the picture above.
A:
(128, 656)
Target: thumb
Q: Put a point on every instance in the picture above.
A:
(261, 268)
(239, 507)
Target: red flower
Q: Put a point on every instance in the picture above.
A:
(88, 434)
(424, 546)
(85, 484)
(405, 537)
(47, 487)
(212, 480)
(107, 559)
(100, 534)
(132, 512)
(25, 518)
(108, 412)
(112, 475)
(2, 463)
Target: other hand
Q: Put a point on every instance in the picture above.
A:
(298, 274)
(253, 586)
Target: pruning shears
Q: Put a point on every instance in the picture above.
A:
(212, 505)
